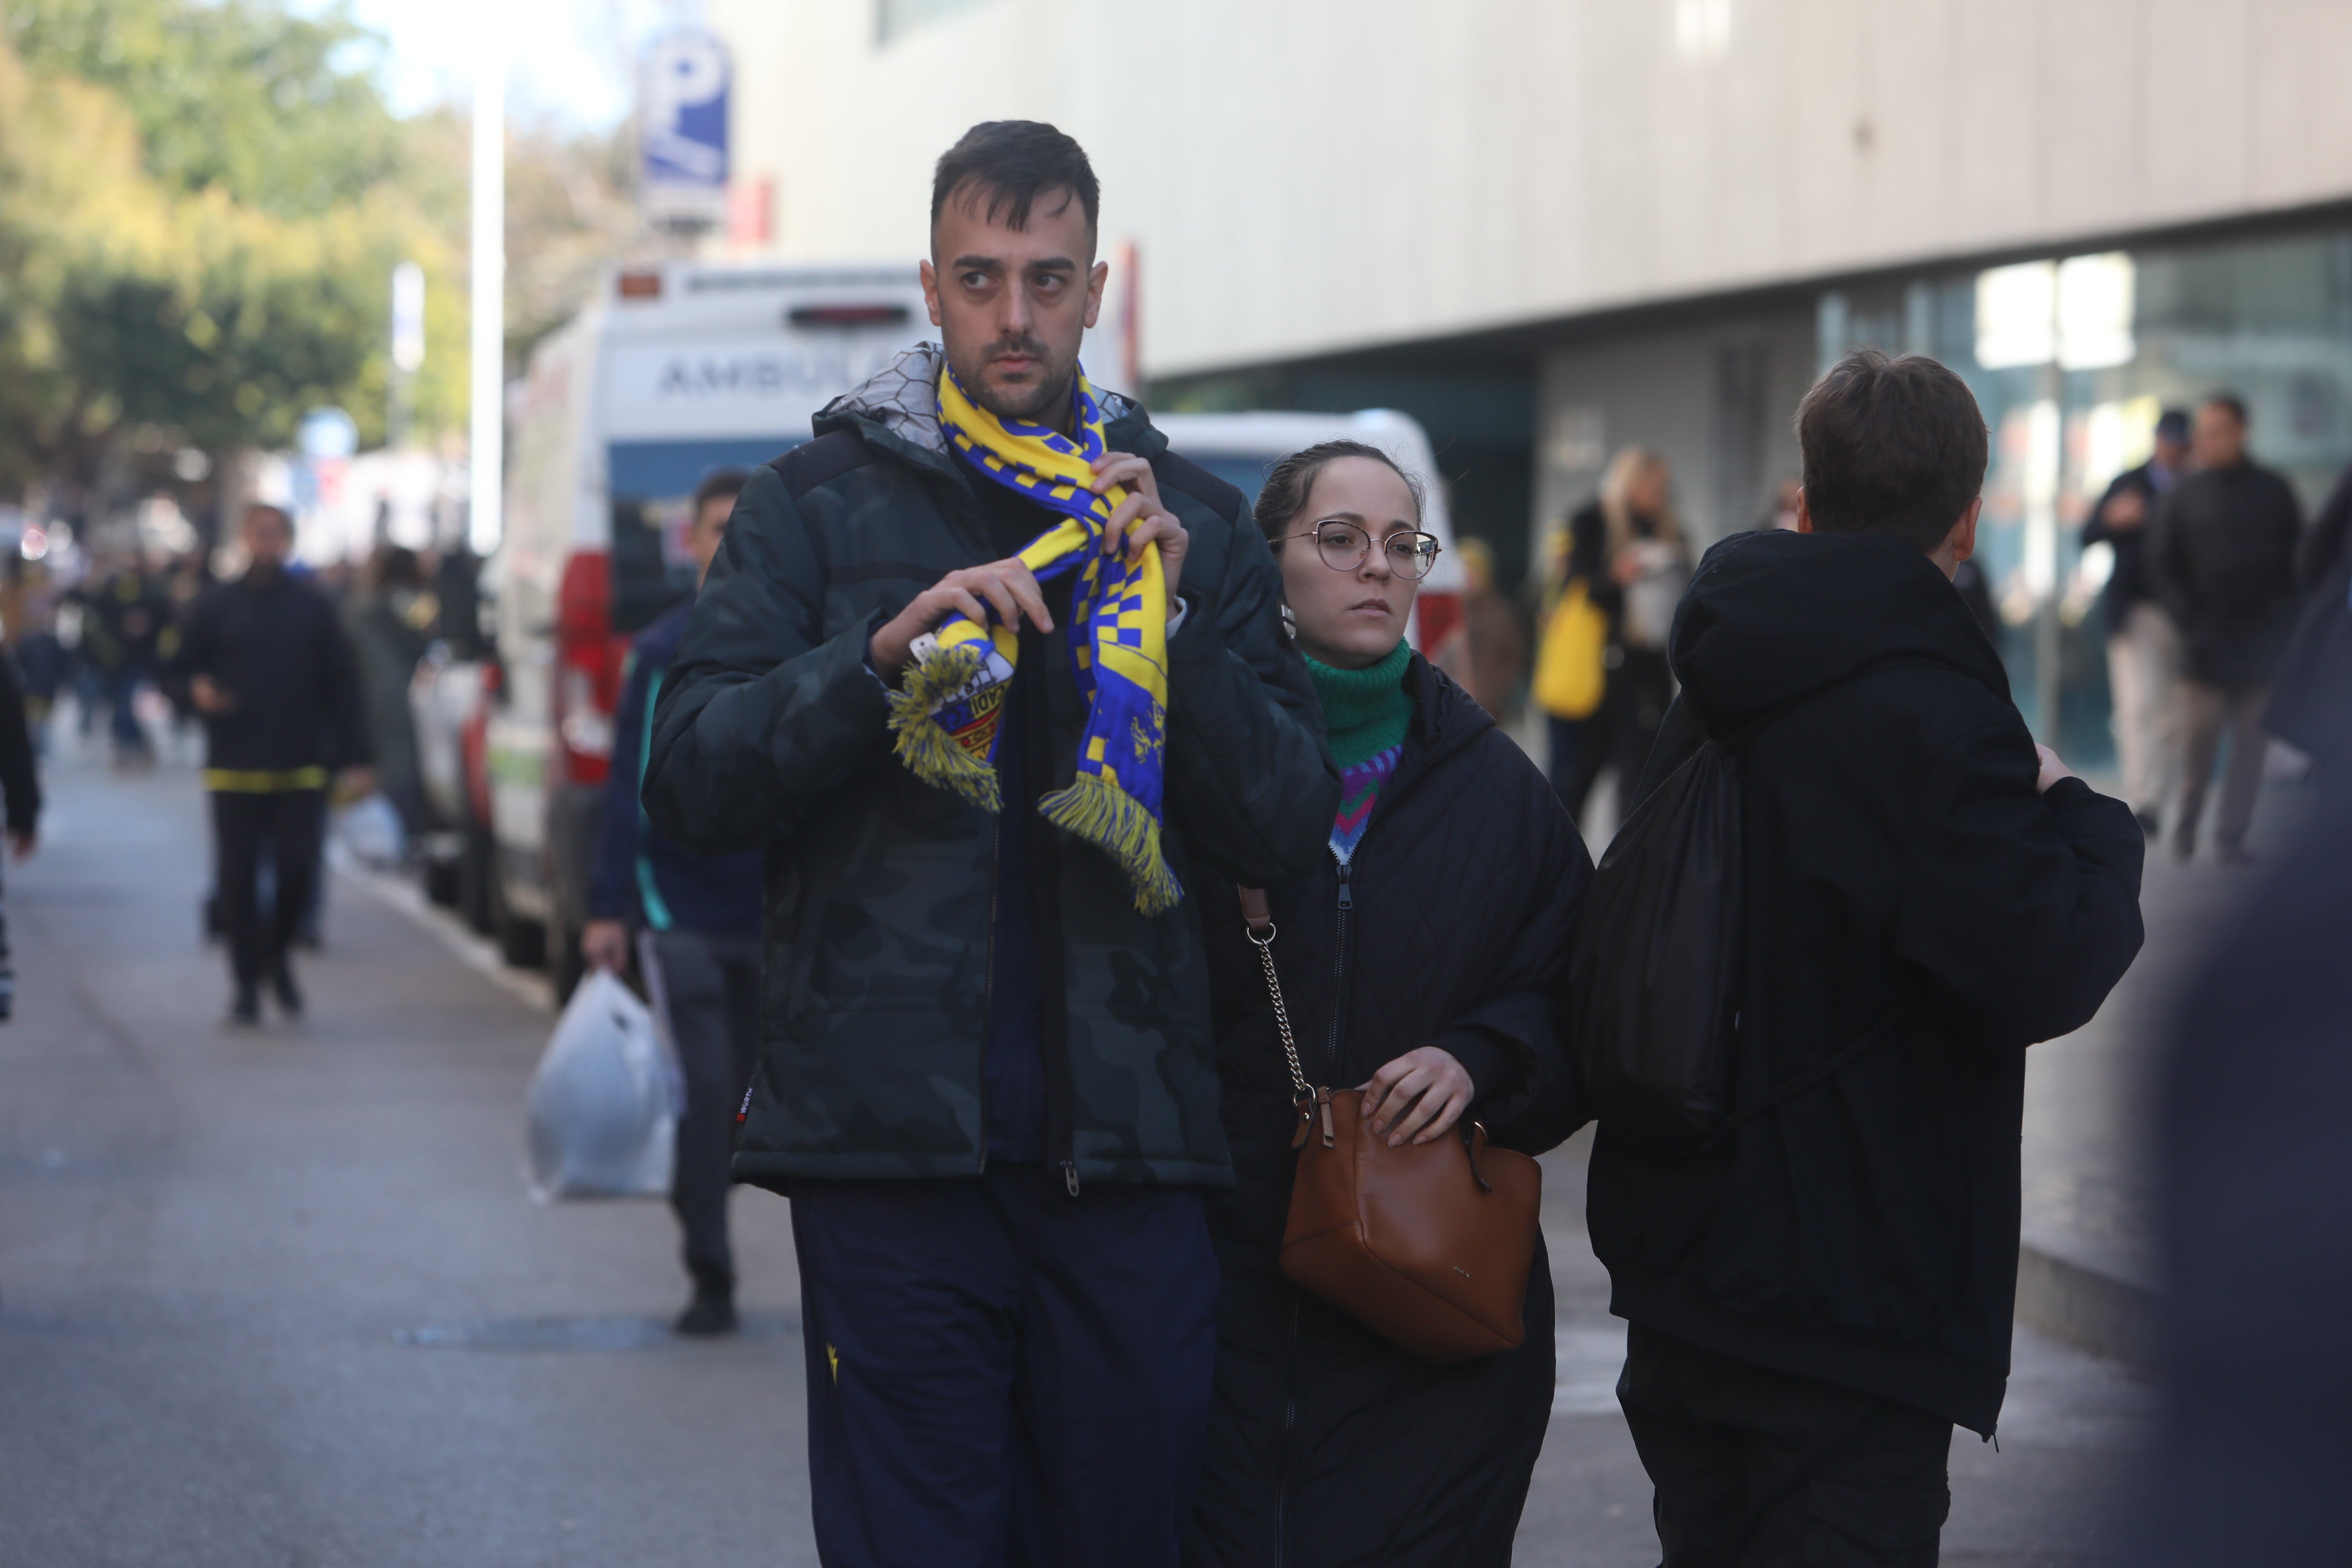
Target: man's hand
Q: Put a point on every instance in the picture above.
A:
(605, 944)
(24, 844)
(355, 783)
(2126, 511)
(2052, 769)
(1140, 519)
(1007, 586)
(210, 697)
(1419, 1096)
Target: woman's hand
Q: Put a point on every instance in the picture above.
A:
(1418, 1097)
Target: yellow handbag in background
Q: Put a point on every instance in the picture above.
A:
(1568, 673)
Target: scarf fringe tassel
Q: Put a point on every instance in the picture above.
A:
(924, 744)
(1095, 809)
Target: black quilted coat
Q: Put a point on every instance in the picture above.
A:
(1330, 1445)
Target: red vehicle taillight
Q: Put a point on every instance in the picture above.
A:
(587, 667)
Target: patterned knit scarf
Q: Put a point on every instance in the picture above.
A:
(948, 708)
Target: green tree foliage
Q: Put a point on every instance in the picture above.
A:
(201, 205)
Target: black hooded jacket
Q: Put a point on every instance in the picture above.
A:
(1864, 1231)
(1462, 899)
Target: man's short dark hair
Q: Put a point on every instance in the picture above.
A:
(2230, 401)
(1009, 164)
(728, 482)
(1890, 446)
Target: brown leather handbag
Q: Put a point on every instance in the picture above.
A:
(1427, 1245)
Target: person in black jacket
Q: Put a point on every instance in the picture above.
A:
(987, 1073)
(2222, 556)
(1818, 1299)
(2143, 648)
(2307, 710)
(1419, 960)
(700, 917)
(2254, 1177)
(20, 789)
(266, 662)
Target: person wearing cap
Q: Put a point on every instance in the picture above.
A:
(2143, 647)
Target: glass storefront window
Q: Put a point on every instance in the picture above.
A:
(2071, 400)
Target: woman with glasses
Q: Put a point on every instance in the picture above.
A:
(1421, 964)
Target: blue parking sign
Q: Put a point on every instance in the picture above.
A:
(685, 119)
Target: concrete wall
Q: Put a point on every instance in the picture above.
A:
(1322, 174)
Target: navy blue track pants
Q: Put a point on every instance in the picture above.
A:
(1001, 1374)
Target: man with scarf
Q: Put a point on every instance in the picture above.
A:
(999, 685)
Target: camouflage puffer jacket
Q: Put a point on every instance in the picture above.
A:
(772, 734)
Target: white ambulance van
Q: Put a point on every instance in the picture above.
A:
(677, 370)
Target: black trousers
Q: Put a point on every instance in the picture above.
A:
(1619, 734)
(712, 986)
(1763, 1469)
(287, 825)
(1000, 1372)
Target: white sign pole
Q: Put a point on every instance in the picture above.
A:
(487, 451)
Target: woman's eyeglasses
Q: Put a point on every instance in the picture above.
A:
(1344, 545)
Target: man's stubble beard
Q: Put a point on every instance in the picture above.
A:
(1045, 404)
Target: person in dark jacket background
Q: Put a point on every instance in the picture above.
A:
(389, 623)
(2222, 556)
(701, 914)
(2307, 708)
(1420, 960)
(1815, 1301)
(987, 1076)
(2143, 648)
(2254, 1177)
(20, 793)
(266, 662)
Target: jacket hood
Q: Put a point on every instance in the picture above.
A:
(1445, 718)
(1772, 616)
(901, 401)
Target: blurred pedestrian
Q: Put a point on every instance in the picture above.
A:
(2255, 1178)
(2308, 708)
(1466, 887)
(1821, 1292)
(20, 795)
(988, 1070)
(1486, 654)
(2143, 647)
(1627, 548)
(125, 617)
(700, 916)
(269, 669)
(2220, 555)
(390, 621)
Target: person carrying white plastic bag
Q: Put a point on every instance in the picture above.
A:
(603, 1105)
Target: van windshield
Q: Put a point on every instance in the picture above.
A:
(653, 485)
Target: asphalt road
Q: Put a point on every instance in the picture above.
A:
(279, 1299)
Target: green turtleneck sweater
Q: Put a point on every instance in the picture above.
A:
(1366, 712)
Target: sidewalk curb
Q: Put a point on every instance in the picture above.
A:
(2100, 1313)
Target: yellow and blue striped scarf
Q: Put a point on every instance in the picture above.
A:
(947, 710)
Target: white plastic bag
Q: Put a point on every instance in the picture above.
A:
(372, 833)
(603, 1113)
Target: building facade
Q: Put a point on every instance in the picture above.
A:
(1549, 229)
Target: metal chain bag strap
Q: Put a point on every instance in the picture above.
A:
(1428, 1245)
